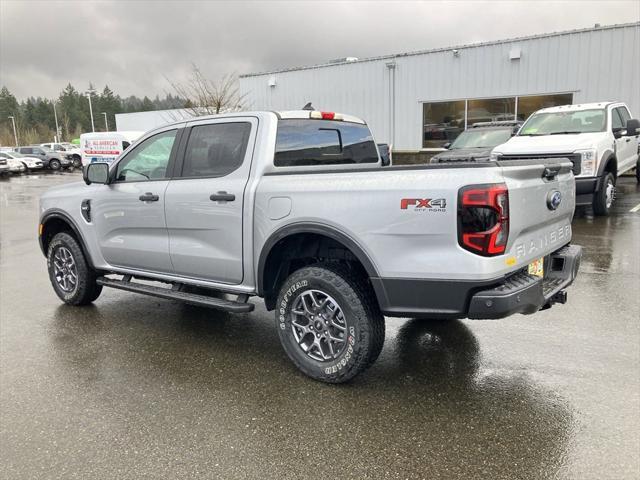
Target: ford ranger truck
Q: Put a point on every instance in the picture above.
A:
(600, 138)
(300, 209)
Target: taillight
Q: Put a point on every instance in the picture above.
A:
(483, 218)
(325, 115)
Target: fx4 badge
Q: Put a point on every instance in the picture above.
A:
(424, 204)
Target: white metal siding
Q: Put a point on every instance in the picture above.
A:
(596, 64)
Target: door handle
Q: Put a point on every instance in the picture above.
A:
(222, 197)
(149, 197)
(628, 139)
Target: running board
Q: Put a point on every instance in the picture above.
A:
(175, 294)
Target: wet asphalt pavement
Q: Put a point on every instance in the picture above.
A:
(138, 387)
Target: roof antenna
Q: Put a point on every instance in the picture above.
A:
(308, 106)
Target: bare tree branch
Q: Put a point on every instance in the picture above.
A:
(207, 97)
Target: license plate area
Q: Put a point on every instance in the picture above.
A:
(537, 267)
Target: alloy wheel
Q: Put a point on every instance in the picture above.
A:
(65, 270)
(319, 325)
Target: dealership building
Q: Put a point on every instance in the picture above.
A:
(418, 101)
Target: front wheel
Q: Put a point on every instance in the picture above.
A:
(77, 162)
(329, 322)
(54, 165)
(603, 199)
(73, 280)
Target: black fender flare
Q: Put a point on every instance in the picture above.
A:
(61, 215)
(317, 228)
(605, 160)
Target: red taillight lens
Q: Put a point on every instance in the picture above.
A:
(483, 219)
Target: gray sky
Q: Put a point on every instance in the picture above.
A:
(132, 45)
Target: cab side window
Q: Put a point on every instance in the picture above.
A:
(616, 120)
(215, 150)
(624, 115)
(148, 160)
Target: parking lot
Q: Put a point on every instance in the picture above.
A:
(138, 387)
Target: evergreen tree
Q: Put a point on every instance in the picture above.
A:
(35, 121)
(147, 105)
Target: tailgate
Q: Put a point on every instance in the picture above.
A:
(541, 204)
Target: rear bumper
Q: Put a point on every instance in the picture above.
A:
(525, 293)
(492, 299)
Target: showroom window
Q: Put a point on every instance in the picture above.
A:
(531, 103)
(444, 121)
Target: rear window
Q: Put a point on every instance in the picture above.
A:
(323, 142)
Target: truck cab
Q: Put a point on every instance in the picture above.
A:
(601, 139)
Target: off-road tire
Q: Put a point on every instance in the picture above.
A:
(86, 289)
(600, 207)
(55, 165)
(365, 328)
(77, 161)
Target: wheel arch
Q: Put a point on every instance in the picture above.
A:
(271, 256)
(608, 164)
(55, 222)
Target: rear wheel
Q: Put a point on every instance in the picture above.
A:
(73, 280)
(329, 322)
(54, 165)
(603, 199)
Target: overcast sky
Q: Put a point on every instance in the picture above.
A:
(133, 45)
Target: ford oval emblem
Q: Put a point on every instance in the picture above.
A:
(554, 199)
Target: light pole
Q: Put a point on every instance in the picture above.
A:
(15, 132)
(93, 127)
(106, 124)
(55, 116)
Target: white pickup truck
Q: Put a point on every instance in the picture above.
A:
(600, 138)
(300, 208)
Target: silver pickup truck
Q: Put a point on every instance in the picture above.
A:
(301, 209)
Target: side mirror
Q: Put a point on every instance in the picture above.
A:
(633, 127)
(96, 173)
(385, 154)
(446, 145)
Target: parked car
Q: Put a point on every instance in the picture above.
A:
(476, 143)
(16, 166)
(4, 168)
(601, 139)
(50, 159)
(29, 163)
(68, 150)
(329, 236)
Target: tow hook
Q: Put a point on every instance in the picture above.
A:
(560, 297)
